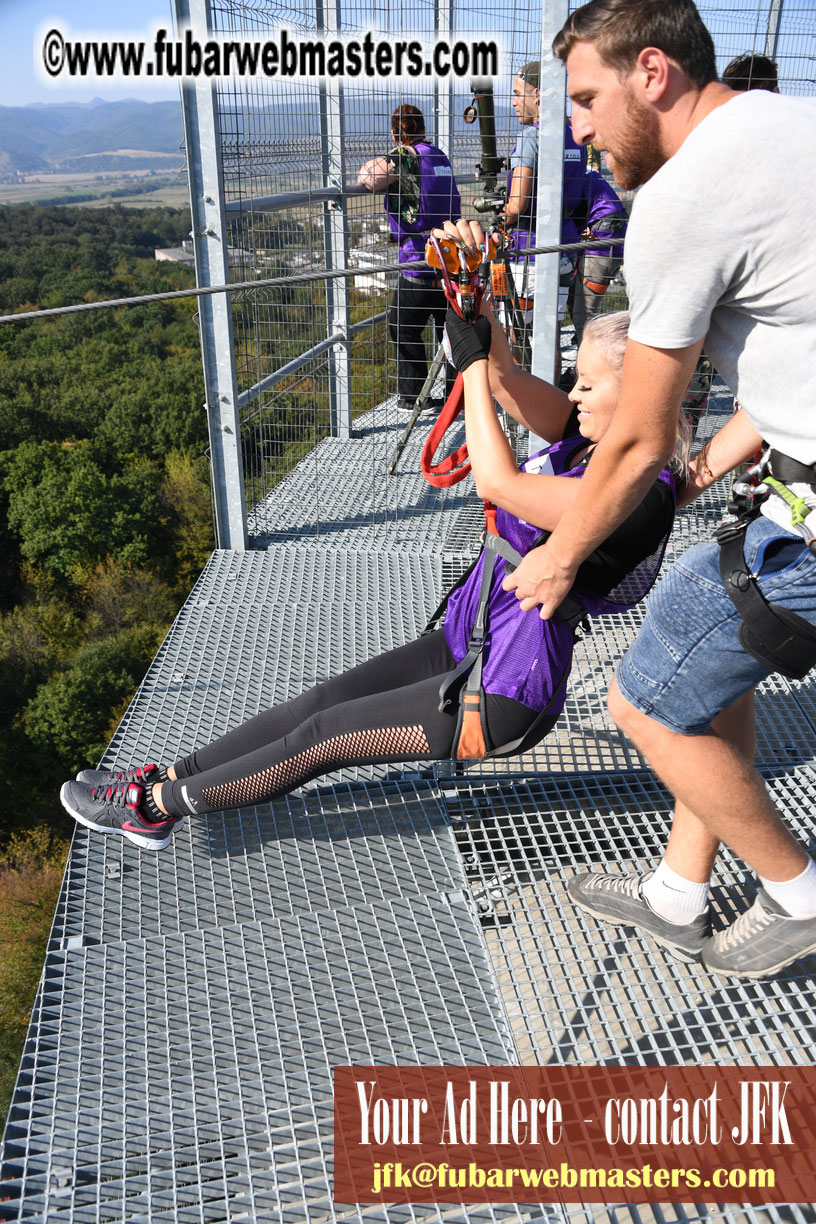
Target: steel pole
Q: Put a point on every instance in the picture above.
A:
(210, 235)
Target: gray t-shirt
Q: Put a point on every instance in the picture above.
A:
(722, 244)
(525, 150)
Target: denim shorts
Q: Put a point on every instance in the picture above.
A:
(687, 664)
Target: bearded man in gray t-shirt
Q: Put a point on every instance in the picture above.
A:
(718, 249)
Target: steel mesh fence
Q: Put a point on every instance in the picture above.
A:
(785, 32)
(291, 152)
(312, 356)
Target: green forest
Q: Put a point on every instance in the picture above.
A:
(106, 520)
(106, 508)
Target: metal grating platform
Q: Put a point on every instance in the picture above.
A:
(361, 507)
(580, 991)
(189, 1077)
(343, 846)
(259, 627)
(194, 1002)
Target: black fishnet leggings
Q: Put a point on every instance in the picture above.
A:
(383, 711)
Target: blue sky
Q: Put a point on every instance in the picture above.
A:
(21, 19)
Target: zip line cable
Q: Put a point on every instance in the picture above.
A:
(277, 282)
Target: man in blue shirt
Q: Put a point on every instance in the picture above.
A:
(522, 194)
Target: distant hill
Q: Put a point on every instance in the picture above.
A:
(50, 136)
(71, 137)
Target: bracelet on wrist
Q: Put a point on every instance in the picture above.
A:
(703, 458)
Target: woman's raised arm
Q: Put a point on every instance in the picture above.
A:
(530, 400)
(537, 498)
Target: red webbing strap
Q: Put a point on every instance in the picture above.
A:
(490, 511)
(454, 467)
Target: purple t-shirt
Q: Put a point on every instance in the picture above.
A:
(525, 657)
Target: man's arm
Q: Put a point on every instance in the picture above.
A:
(523, 167)
(626, 461)
(520, 194)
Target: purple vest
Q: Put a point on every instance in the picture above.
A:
(525, 656)
(438, 202)
(574, 167)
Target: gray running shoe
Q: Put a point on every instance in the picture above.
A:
(761, 941)
(618, 899)
(113, 777)
(117, 809)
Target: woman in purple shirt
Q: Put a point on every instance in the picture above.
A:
(388, 709)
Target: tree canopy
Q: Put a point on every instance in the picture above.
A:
(104, 484)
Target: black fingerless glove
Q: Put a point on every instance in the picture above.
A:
(469, 342)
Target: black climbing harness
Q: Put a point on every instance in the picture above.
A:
(462, 689)
(770, 633)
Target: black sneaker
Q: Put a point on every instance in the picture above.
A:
(619, 899)
(143, 774)
(117, 809)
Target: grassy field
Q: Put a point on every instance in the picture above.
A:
(167, 196)
(164, 187)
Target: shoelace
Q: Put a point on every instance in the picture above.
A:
(749, 924)
(135, 774)
(119, 796)
(628, 885)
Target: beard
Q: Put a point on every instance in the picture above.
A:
(638, 153)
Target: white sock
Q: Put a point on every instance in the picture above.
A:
(797, 896)
(673, 897)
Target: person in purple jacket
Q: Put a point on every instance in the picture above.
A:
(388, 709)
(600, 214)
(420, 193)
